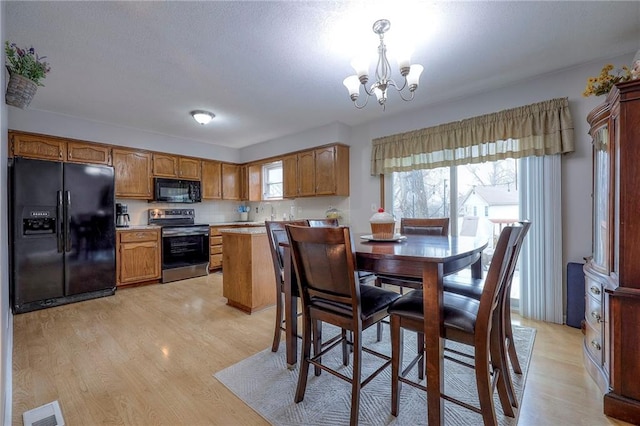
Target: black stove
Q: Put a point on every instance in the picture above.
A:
(173, 217)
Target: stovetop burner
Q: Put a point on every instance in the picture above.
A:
(173, 217)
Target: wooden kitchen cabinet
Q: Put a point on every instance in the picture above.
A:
(215, 247)
(189, 168)
(230, 181)
(138, 256)
(254, 185)
(290, 176)
(306, 174)
(177, 167)
(165, 165)
(317, 172)
(37, 146)
(211, 180)
(133, 170)
(332, 170)
(79, 152)
(247, 282)
(244, 182)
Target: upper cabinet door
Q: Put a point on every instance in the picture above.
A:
(189, 168)
(165, 165)
(211, 180)
(39, 147)
(78, 152)
(133, 174)
(230, 181)
(290, 176)
(601, 199)
(306, 174)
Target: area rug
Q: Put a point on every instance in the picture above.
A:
(264, 383)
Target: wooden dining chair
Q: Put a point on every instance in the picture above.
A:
(276, 233)
(424, 226)
(330, 291)
(473, 288)
(364, 276)
(413, 226)
(314, 223)
(467, 321)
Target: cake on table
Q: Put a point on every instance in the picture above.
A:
(382, 225)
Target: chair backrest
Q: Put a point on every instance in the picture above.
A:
(314, 223)
(424, 226)
(324, 262)
(277, 233)
(497, 276)
(469, 227)
(526, 224)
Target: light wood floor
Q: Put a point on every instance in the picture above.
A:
(146, 356)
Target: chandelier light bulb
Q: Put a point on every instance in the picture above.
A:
(414, 76)
(202, 117)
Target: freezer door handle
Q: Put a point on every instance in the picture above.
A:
(60, 221)
(67, 220)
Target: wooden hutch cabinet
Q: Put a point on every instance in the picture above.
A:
(612, 310)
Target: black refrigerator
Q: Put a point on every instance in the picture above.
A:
(62, 233)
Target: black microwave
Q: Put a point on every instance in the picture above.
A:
(176, 190)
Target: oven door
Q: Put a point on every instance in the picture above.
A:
(184, 247)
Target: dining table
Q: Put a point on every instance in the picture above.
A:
(416, 256)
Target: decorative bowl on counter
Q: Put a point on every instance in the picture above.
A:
(333, 213)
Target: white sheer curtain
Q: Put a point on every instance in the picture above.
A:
(541, 257)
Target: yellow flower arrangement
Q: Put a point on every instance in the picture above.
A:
(602, 84)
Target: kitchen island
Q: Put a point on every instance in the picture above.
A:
(248, 280)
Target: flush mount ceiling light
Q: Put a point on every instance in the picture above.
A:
(410, 73)
(202, 117)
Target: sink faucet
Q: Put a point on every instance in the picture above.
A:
(272, 216)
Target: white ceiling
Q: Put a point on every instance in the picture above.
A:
(269, 69)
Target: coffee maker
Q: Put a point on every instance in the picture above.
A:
(122, 217)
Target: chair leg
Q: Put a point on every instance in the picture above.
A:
(345, 348)
(303, 374)
(356, 383)
(396, 363)
(420, 349)
(483, 383)
(277, 332)
(378, 283)
(317, 344)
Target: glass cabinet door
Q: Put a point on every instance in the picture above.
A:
(601, 199)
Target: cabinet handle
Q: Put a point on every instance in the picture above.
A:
(596, 316)
(596, 345)
(595, 290)
(60, 154)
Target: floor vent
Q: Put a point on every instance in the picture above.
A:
(45, 415)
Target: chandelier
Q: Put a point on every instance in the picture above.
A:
(410, 73)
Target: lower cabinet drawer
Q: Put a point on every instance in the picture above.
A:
(593, 343)
(215, 261)
(215, 249)
(593, 312)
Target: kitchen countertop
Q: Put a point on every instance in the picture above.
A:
(237, 222)
(248, 230)
(137, 227)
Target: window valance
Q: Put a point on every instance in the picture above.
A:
(543, 128)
